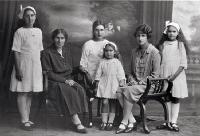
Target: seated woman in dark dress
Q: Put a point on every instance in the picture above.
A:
(66, 94)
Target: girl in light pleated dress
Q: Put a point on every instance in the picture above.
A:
(110, 75)
(27, 72)
(173, 48)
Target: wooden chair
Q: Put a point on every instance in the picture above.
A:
(159, 93)
(83, 79)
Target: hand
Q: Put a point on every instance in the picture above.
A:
(19, 75)
(141, 82)
(130, 79)
(171, 78)
(82, 69)
(70, 82)
(122, 83)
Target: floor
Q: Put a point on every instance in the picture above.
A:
(54, 125)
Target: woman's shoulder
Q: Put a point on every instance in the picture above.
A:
(153, 49)
(48, 50)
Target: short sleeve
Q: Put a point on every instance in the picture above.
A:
(183, 61)
(17, 42)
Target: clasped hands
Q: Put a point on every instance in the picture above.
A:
(70, 82)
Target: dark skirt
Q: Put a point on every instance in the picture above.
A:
(67, 99)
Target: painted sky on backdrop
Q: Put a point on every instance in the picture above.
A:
(183, 11)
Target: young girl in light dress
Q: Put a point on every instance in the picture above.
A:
(110, 75)
(173, 49)
(26, 77)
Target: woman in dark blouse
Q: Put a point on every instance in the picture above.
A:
(67, 95)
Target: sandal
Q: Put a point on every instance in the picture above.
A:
(174, 127)
(109, 126)
(121, 130)
(103, 126)
(164, 126)
(26, 126)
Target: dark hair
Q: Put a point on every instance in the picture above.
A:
(58, 31)
(116, 55)
(145, 29)
(95, 24)
(180, 38)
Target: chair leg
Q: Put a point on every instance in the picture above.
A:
(99, 108)
(143, 117)
(41, 102)
(162, 102)
(90, 113)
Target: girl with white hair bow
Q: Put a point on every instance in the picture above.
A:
(26, 77)
(173, 48)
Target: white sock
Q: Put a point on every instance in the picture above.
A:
(169, 106)
(175, 112)
(104, 117)
(131, 119)
(111, 117)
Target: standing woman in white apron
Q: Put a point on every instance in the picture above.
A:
(27, 72)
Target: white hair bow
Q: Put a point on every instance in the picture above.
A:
(168, 23)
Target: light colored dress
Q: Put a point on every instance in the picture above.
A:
(92, 53)
(143, 65)
(174, 56)
(109, 73)
(28, 41)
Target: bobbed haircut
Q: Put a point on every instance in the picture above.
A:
(143, 29)
(58, 31)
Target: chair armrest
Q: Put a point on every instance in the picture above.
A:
(45, 80)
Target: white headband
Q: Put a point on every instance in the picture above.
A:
(168, 23)
(112, 43)
(21, 14)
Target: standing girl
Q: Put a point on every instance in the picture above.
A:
(27, 72)
(110, 75)
(173, 48)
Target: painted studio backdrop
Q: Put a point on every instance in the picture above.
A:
(76, 17)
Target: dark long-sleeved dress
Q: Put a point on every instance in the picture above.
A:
(66, 98)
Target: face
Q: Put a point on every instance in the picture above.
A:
(109, 52)
(172, 33)
(29, 18)
(99, 32)
(141, 39)
(59, 40)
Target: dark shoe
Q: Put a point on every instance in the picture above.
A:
(130, 129)
(174, 127)
(82, 130)
(164, 126)
(102, 126)
(109, 126)
(119, 130)
(26, 126)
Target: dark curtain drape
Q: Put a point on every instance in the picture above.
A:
(155, 13)
(8, 17)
